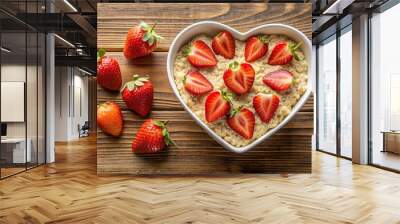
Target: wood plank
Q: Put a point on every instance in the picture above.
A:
(114, 19)
(289, 150)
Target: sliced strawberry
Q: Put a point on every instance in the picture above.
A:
(224, 44)
(279, 80)
(200, 55)
(239, 78)
(266, 106)
(283, 53)
(242, 121)
(256, 47)
(217, 105)
(196, 84)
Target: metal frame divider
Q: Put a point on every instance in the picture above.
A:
(338, 98)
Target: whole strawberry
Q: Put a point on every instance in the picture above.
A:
(140, 41)
(152, 137)
(108, 72)
(109, 118)
(138, 95)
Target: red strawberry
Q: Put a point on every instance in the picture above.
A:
(256, 47)
(266, 106)
(109, 118)
(108, 72)
(239, 78)
(151, 137)
(138, 95)
(200, 55)
(283, 53)
(279, 80)
(224, 44)
(242, 121)
(217, 105)
(196, 84)
(140, 41)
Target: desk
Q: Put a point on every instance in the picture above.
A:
(17, 147)
(391, 141)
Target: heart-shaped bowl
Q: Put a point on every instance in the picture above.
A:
(211, 28)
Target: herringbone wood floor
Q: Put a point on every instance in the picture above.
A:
(70, 192)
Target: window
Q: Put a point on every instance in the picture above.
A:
(385, 89)
(327, 96)
(333, 106)
(346, 92)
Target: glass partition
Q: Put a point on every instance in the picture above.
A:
(346, 92)
(385, 89)
(22, 77)
(14, 155)
(327, 96)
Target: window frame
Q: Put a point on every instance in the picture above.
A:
(337, 35)
(380, 9)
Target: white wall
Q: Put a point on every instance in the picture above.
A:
(14, 73)
(33, 127)
(70, 83)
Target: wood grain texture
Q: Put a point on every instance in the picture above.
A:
(114, 19)
(70, 191)
(288, 151)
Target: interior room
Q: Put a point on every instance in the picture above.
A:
(23, 99)
(76, 149)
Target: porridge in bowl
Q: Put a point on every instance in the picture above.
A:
(241, 89)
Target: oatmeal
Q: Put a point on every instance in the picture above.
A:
(288, 98)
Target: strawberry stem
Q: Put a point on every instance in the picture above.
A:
(186, 50)
(167, 137)
(136, 81)
(263, 38)
(100, 53)
(297, 46)
(153, 26)
(293, 50)
(226, 96)
(234, 65)
(235, 110)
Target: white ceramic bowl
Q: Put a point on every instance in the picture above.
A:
(211, 28)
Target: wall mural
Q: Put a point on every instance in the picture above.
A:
(202, 90)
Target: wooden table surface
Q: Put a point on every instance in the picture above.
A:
(288, 151)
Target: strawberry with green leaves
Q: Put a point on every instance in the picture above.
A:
(239, 78)
(108, 71)
(283, 53)
(242, 121)
(138, 95)
(217, 105)
(151, 137)
(140, 41)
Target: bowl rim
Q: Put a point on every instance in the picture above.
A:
(306, 46)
